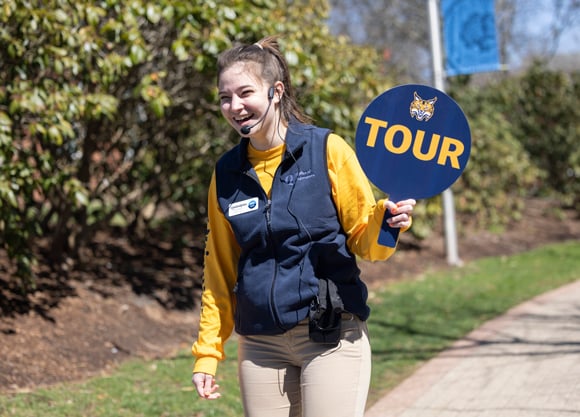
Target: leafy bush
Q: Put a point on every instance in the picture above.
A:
(499, 172)
(109, 115)
(546, 111)
(524, 143)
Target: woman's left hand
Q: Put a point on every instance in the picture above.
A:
(401, 212)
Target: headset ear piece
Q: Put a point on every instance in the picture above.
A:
(271, 92)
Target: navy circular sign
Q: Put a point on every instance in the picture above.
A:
(413, 141)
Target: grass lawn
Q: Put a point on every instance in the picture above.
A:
(411, 321)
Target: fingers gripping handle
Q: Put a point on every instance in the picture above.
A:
(388, 235)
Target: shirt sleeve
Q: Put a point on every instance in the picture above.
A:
(360, 215)
(217, 299)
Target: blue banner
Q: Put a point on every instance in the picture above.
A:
(470, 36)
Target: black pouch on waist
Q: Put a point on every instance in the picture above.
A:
(325, 314)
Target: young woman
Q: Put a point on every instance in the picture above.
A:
(289, 210)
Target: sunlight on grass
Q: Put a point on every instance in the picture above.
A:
(137, 388)
(411, 321)
(414, 320)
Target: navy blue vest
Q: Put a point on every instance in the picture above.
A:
(288, 240)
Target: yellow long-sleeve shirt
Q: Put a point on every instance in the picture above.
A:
(360, 216)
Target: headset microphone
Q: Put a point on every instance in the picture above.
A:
(245, 130)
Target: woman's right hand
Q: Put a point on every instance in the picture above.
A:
(205, 386)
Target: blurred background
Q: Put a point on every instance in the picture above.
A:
(110, 125)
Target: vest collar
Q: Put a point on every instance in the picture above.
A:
(296, 136)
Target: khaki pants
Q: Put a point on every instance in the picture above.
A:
(287, 375)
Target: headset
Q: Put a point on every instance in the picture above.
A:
(247, 129)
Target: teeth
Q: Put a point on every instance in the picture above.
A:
(245, 119)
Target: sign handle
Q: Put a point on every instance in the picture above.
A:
(388, 235)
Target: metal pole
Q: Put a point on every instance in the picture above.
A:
(436, 53)
(438, 80)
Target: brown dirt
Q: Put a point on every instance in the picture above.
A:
(128, 302)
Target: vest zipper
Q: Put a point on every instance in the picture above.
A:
(272, 303)
(273, 284)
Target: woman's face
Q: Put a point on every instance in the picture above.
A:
(244, 98)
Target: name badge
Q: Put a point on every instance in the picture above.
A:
(242, 207)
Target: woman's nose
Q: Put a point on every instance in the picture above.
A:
(236, 103)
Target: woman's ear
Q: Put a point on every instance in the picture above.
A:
(279, 90)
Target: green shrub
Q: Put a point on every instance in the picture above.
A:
(499, 173)
(109, 114)
(546, 110)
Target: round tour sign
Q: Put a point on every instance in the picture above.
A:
(412, 141)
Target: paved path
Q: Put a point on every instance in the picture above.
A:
(525, 363)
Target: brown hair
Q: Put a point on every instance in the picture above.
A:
(266, 53)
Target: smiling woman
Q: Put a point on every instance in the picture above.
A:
(246, 75)
(243, 105)
(289, 211)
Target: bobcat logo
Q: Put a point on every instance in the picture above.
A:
(422, 110)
